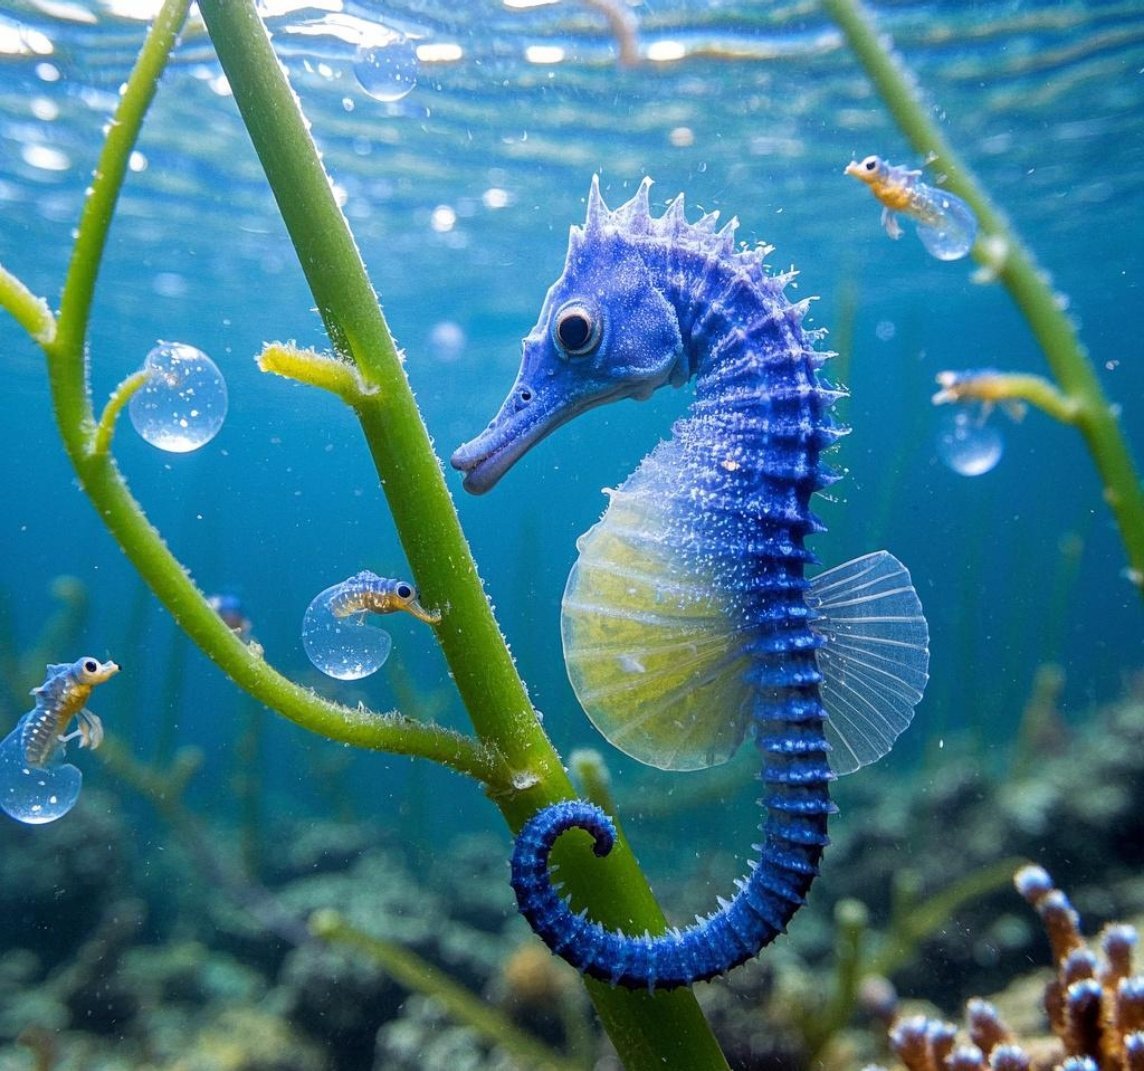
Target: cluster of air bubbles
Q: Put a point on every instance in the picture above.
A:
(387, 71)
(967, 442)
(182, 404)
(343, 646)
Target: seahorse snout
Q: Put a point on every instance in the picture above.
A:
(525, 417)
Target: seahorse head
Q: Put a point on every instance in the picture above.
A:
(605, 332)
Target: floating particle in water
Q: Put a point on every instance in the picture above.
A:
(967, 443)
(170, 284)
(443, 219)
(344, 647)
(387, 72)
(447, 341)
(496, 197)
(183, 403)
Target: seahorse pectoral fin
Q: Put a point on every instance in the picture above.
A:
(89, 726)
(651, 651)
(875, 661)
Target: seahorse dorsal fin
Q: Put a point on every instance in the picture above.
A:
(675, 216)
(707, 223)
(875, 662)
(727, 233)
(597, 210)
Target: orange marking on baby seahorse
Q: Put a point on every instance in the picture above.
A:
(60, 699)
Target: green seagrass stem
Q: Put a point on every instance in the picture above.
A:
(28, 310)
(88, 444)
(338, 376)
(993, 387)
(105, 429)
(1002, 254)
(665, 1031)
(415, 973)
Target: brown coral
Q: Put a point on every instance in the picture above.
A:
(1094, 1004)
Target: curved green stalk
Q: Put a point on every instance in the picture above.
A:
(28, 310)
(1002, 255)
(1011, 387)
(665, 1030)
(338, 376)
(105, 429)
(87, 445)
(420, 976)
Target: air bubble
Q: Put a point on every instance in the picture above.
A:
(183, 403)
(346, 648)
(387, 72)
(36, 795)
(967, 443)
(447, 341)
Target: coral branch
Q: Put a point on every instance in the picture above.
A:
(1095, 1019)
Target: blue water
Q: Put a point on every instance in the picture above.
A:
(460, 196)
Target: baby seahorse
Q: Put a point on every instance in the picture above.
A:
(946, 224)
(687, 622)
(367, 592)
(36, 785)
(337, 634)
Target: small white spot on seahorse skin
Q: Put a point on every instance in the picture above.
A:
(730, 464)
(631, 664)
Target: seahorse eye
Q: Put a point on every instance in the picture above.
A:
(90, 665)
(404, 591)
(870, 163)
(576, 330)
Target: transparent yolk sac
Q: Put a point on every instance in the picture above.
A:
(345, 647)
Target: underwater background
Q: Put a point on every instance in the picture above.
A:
(460, 194)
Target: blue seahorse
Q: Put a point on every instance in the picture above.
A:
(687, 621)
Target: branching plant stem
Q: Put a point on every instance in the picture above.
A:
(510, 756)
(1002, 254)
(664, 1030)
(88, 446)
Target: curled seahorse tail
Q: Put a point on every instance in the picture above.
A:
(768, 897)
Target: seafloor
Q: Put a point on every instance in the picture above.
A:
(165, 955)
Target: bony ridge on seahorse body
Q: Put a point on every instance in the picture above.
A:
(36, 785)
(687, 622)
